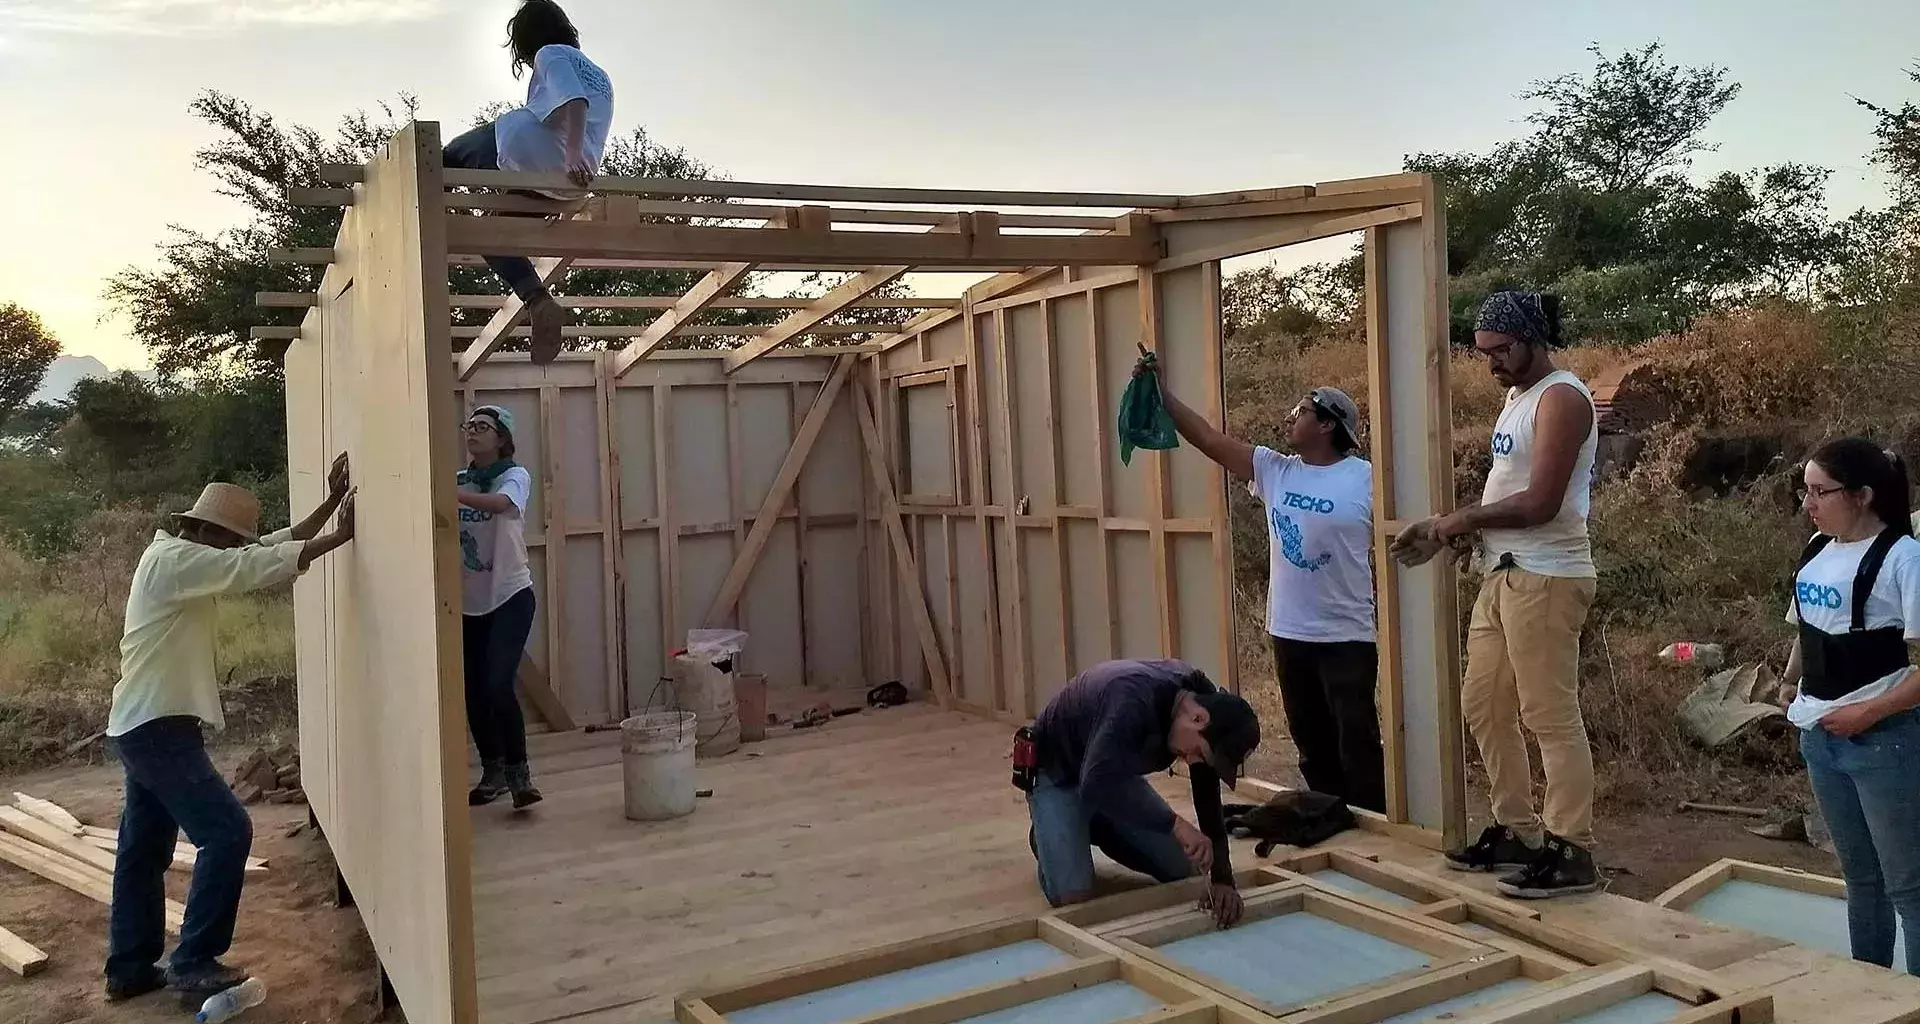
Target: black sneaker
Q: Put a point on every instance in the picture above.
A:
(1498, 848)
(196, 985)
(520, 782)
(493, 782)
(1562, 869)
(119, 990)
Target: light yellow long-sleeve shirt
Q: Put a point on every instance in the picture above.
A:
(166, 650)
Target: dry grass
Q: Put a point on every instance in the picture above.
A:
(60, 624)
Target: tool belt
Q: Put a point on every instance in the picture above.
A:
(1026, 760)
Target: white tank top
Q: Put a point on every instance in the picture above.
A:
(1558, 547)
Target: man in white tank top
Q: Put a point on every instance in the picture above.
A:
(1523, 646)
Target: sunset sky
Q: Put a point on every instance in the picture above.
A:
(1115, 95)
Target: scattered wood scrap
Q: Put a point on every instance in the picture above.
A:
(48, 811)
(32, 829)
(20, 956)
(83, 878)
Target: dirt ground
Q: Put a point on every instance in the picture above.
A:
(315, 959)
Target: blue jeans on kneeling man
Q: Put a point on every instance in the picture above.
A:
(1065, 832)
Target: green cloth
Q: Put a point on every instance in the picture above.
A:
(483, 477)
(1144, 421)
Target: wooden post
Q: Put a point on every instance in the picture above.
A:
(1222, 524)
(669, 525)
(612, 540)
(1056, 484)
(555, 533)
(1386, 572)
(980, 482)
(1020, 685)
(1159, 481)
(909, 572)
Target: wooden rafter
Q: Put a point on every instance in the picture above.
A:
(509, 314)
(776, 499)
(695, 331)
(849, 291)
(958, 249)
(718, 282)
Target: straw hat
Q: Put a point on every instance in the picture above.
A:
(227, 505)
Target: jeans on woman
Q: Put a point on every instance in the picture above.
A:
(478, 150)
(1870, 793)
(493, 644)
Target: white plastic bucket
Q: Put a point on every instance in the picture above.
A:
(656, 755)
(701, 687)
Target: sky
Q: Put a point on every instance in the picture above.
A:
(1096, 95)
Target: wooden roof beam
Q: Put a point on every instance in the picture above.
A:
(286, 300)
(718, 282)
(510, 312)
(1140, 244)
(667, 301)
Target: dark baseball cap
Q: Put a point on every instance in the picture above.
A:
(1232, 733)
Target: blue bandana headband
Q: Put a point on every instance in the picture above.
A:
(1516, 314)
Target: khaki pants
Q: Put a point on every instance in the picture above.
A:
(1523, 666)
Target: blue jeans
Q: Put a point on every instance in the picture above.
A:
(1870, 794)
(172, 785)
(1065, 832)
(478, 150)
(492, 645)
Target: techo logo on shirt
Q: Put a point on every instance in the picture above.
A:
(1308, 503)
(1817, 595)
(1502, 443)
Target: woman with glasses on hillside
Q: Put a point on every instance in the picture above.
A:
(496, 604)
(1319, 518)
(1856, 601)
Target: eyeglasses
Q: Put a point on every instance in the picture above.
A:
(1802, 492)
(478, 427)
(1496, 352)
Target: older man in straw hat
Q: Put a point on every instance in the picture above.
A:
(166, 691)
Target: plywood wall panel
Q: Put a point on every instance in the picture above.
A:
(704, 560)
(773, 613)
(976, 669)
(1120, 338)
(833, 591)
(1047, 658)
(926, 425)
(1027, 338)
(582, 686)
(1077, 414)
(646, 651)
(700, 462)
(633, 438)
(1197, 583)
(1139, 613)
(577, 443)
(1088, 600)
(765, 419)
(831, 483)
(1184, 340)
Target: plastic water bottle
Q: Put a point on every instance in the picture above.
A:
(1707, 656)
(233, 1002)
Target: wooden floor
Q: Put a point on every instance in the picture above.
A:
(874, 828)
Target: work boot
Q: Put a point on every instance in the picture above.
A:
(1561, 869)
(119, 990)
(196, 985)
(520, 781)
(547, 319)
(1498, 848)
(493, 782)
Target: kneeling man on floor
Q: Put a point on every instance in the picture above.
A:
(1095, 743)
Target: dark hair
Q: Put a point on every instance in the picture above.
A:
(1856, 462)
(1343, 441)
(536, 24)
(506, 436)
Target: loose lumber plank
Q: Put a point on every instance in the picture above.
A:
(49, 812)
(852, 290)
(82, 878)
(32, 829)
(533, 683)
(908, 571)
(718, 282)
(547, 269)
(783, 483)
(20, 956)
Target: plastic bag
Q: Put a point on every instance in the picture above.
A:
(1144, 420)
(716, 643)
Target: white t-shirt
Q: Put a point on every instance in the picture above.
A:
(1320, 529)
(1558, 547)
(1825, 592)
(493, 548)
(561, 74)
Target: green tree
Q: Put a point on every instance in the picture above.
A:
(117, 432)
(1632, 119)
(27, 348)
